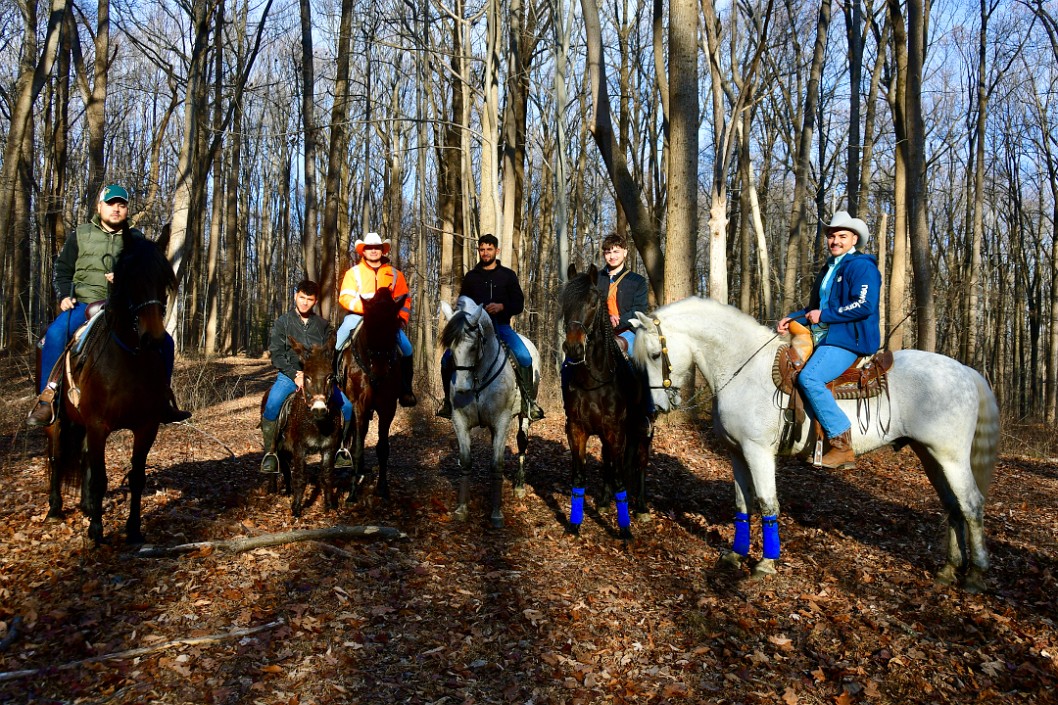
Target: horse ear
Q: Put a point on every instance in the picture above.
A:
(163, 238)
(297, 347)
(571, 271)
(643, 321)
(446, 310)
(593, 272)
(332, 340)
(399, 301)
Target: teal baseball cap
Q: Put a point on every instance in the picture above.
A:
(113, 192)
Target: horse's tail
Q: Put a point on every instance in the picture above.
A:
(986, 436)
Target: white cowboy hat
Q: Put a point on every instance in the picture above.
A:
(369, 240)
(843, 221)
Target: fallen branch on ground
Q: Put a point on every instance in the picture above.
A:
(265, 540)
(132, 653)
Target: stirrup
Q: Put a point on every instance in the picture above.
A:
(264, 460)
(343, 458)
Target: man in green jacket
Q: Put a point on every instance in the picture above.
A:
(83, 276)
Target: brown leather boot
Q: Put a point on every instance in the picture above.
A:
(839, 454)
(43, 412)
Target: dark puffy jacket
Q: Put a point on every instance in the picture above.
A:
(88, 254)
(495, 286)
(315, 331)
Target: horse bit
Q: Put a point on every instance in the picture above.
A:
(479, 345)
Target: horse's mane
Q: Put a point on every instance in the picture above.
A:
(140, 271)
(454, 329)
(738, 329)
(577, 290)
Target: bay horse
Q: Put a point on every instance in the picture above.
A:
(944, 410)
(311, 421)
(118, 380)
(603, 395)
(484, 393)
(370, 378)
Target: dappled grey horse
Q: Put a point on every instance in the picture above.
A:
(484, 393)
(944, 410)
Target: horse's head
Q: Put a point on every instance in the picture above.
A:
(582, 311)
(318, 375)
(652, 353)
(382, 319)
(143, 279)
(467, 334)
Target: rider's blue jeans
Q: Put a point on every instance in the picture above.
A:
(352, 320)
(826, 364)
(283, 387)
(61, 330)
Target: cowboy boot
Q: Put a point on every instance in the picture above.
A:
(445, 410)
(530, 409)
(172, 413)
(43, 412)
(840, 454)
(270, 461)
(407, 373)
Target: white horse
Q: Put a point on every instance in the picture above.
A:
(484, 393)
(944, 410)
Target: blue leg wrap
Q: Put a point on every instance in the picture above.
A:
(741, 545)
(576, 506)
(771, 536)
(623, 520)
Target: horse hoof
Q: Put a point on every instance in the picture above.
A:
(573, 530)
(55, 515)
(730, 560)
(764, 568)
(948, 575)
(497, 522)
(135, 539)
(625, 533)
(460, 513)
(974, 583)
(519, 492)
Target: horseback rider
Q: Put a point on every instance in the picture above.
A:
(308, 328)
(360, 282)
(626, 295)
(83, 275)
(843, 313)
(625, 291)
(496, 288)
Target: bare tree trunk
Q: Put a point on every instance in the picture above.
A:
(562, 24)
(897, 102)
(681, 242)
(489, 216)
(864, 191)
(311, 136)
(853, 12)
(918, 216)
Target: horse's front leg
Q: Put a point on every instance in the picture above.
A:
(615, 447)
(637, 455)
(499, 447)
(523, 444)
(141, 446)
(382, 451)
(577, 437)
(760, 462)
(95, 482)
(362, 419)
(65, 443)
(462, 429)
(297, 481)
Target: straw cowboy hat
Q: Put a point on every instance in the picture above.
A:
(375, 239)
(843, 221)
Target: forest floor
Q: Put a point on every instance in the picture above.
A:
(462, 613)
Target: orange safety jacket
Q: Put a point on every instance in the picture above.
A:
(361, 282)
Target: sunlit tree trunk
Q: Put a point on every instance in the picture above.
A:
(310, 137)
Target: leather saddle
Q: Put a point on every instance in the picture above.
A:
(866, 377)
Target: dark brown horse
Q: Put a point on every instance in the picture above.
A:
(370, 377)
(310, 422)
(605, 397)
(118, 380)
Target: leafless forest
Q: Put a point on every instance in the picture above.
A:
(269, 136)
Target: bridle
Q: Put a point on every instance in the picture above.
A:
(588, 331)
(671, 390)
(494, 368)
(134, 310)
